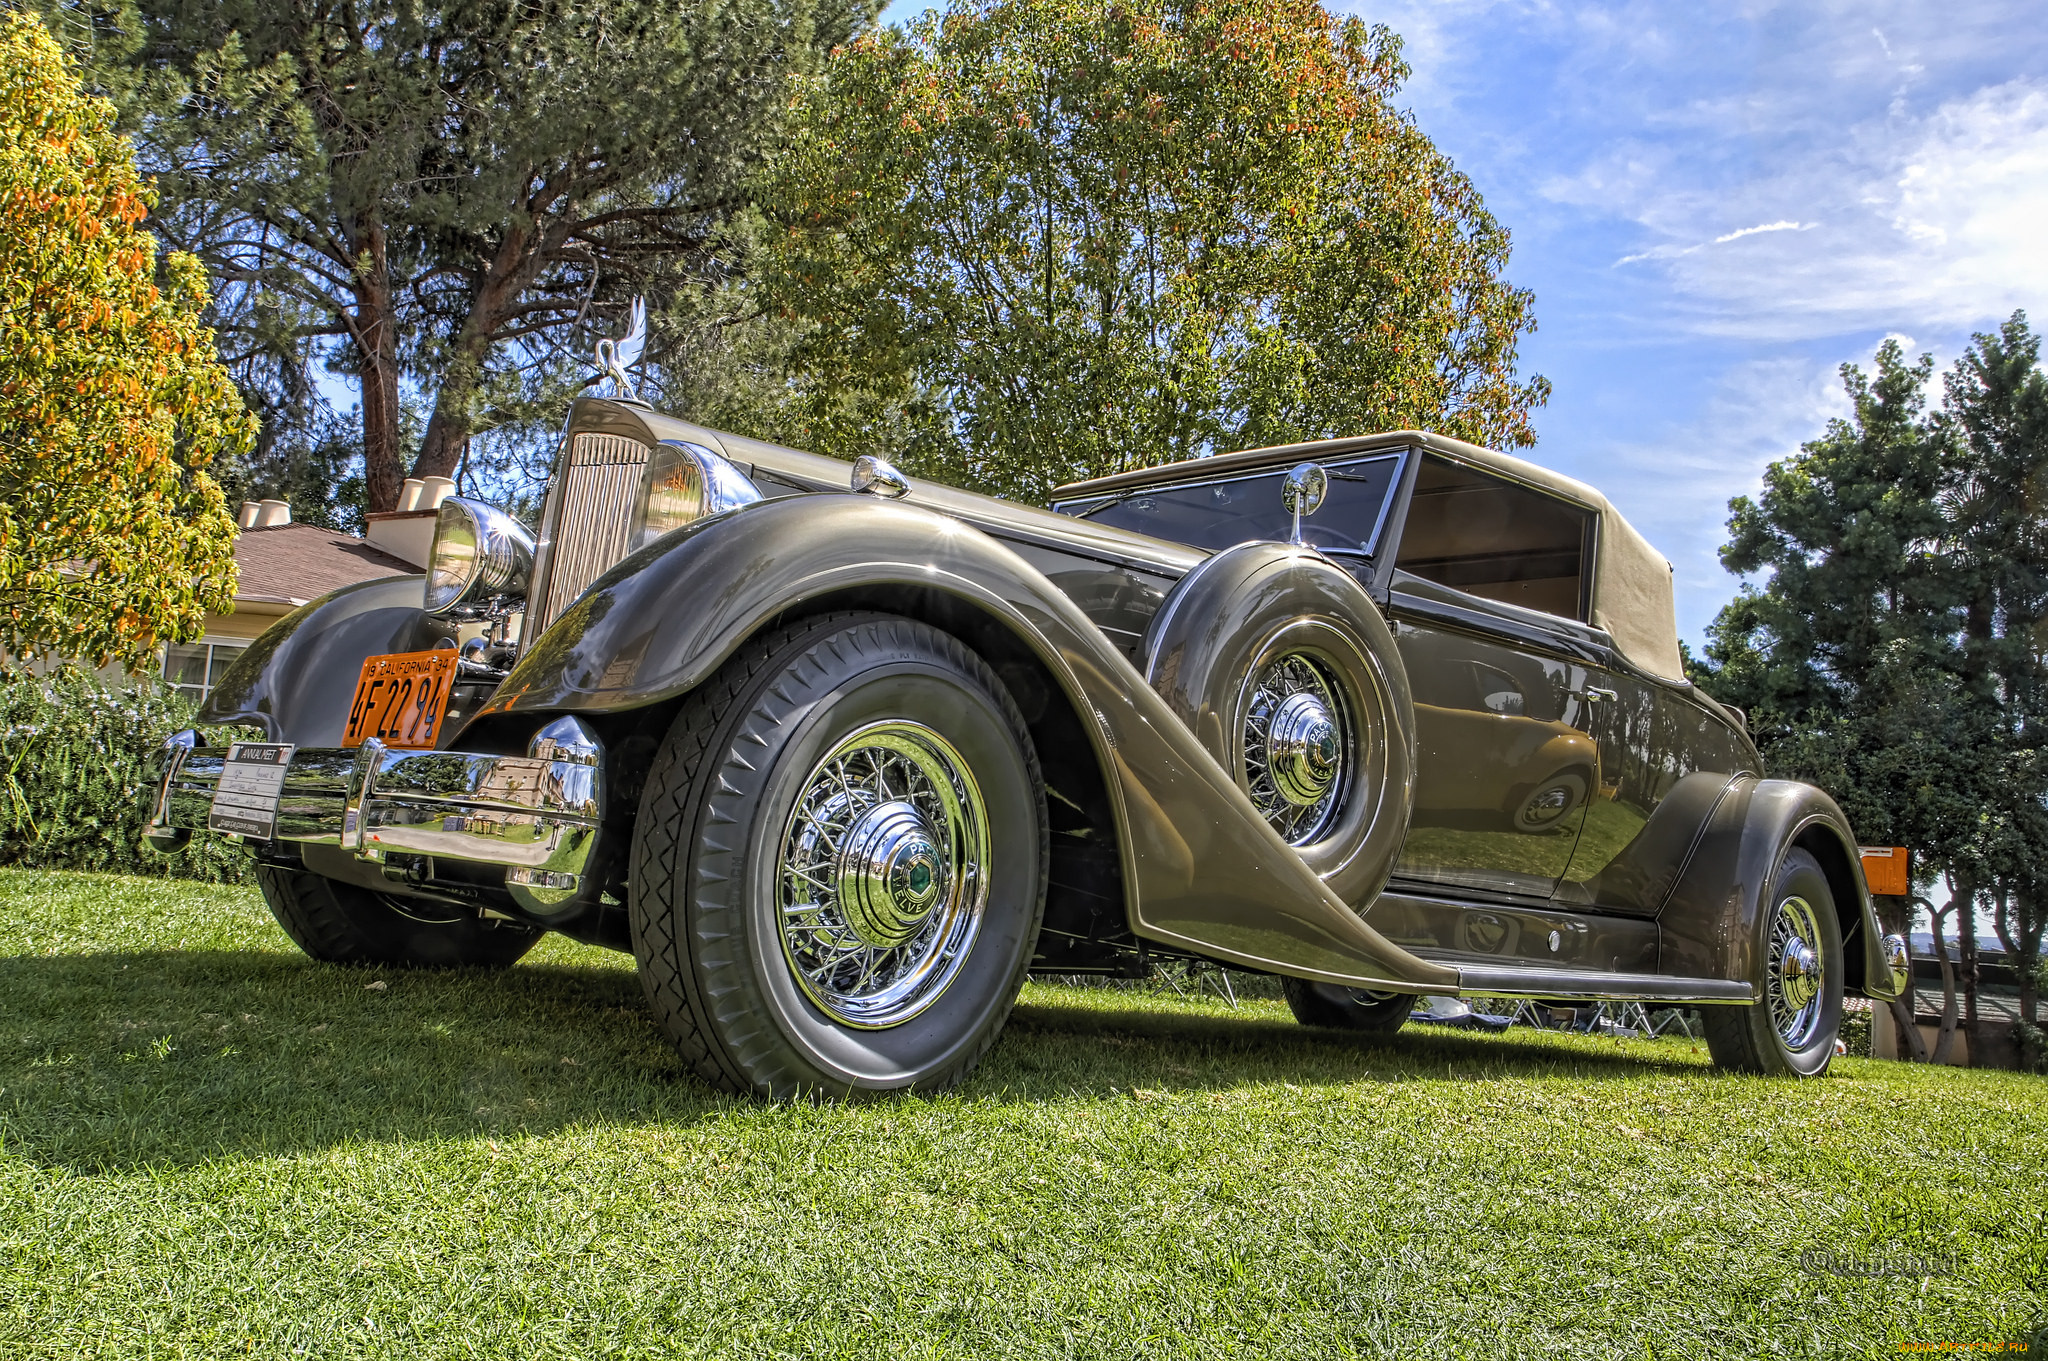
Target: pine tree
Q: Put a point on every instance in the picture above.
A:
(450, 194)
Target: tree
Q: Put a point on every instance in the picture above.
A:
(1995, 414)
(113, 536)
(449, 191)
(1894, 652)
(1048, 239)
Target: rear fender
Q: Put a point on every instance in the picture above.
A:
(1709, 924)
(1201, 869)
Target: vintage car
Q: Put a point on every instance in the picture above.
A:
(841, 757)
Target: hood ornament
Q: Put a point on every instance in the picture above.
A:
(614, 358)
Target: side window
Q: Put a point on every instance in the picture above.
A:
(1497, 539)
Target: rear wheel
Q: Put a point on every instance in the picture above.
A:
(1340, 1008)
(340, 923)
(1790, 1031)
(839, 865)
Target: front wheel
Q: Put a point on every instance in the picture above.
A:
(1340, 1008)
(1790, 1031)
(839, 866)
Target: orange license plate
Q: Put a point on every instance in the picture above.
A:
(400, 698)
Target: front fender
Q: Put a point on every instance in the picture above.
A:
(1709, 924)
(1201, 868)
(295, 682)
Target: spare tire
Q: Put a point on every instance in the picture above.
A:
(1281, 666)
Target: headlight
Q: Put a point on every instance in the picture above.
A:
(479, 553)
(683, 483)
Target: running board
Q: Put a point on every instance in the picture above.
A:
(1580, 985)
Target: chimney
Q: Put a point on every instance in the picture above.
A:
(270, 513)
(408, 532)
(246, 517)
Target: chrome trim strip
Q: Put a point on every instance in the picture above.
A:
(1591, 986)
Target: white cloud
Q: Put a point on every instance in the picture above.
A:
(1674, 252)
(1674, 483)
(1741, 232)
(1933, 220)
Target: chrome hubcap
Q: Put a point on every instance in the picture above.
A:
(1301, 750)
(1296, 744)
(881, 884)
(890, 874)
(1797, 972)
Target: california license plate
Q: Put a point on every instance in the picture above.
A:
(400, 698)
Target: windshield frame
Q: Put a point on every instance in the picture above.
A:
(1085, 508)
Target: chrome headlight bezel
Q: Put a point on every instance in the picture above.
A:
(480, 556)
(682, 483)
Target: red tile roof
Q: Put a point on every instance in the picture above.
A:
(298, 562)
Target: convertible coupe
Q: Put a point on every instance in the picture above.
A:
(841, 757)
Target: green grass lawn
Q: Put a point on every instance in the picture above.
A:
(213, 1146)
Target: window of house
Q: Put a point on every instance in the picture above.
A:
(1489, 537)
(193, 669)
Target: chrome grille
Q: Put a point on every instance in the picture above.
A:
(589, 514)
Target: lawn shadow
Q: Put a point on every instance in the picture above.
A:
(121, 1059)
(118, 1060)
(1100, 1049)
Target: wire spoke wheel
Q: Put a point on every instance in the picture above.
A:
(1298, 747)
(882, 881)
(1797, 966)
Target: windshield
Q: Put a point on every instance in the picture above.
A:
(1225, 511)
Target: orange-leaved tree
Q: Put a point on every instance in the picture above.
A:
(113, 400)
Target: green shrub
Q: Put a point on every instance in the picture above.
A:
(2033, 1047)
(75, 756)
(1855, 1030)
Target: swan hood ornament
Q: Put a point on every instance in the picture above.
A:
(616, 357)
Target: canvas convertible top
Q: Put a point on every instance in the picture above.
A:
(1632, 592)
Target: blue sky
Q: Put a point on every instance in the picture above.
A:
(1718, 204)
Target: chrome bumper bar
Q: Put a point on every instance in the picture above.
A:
(538, 816)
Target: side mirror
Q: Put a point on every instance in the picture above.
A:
(1303, 492)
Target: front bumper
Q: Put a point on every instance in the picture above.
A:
(538, 816)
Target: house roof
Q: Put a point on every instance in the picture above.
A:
(291, 564)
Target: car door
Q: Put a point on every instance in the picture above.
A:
(1489, 594)
(1664, 760)
(1505, 768)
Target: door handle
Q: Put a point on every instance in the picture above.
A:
(1594, 694)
